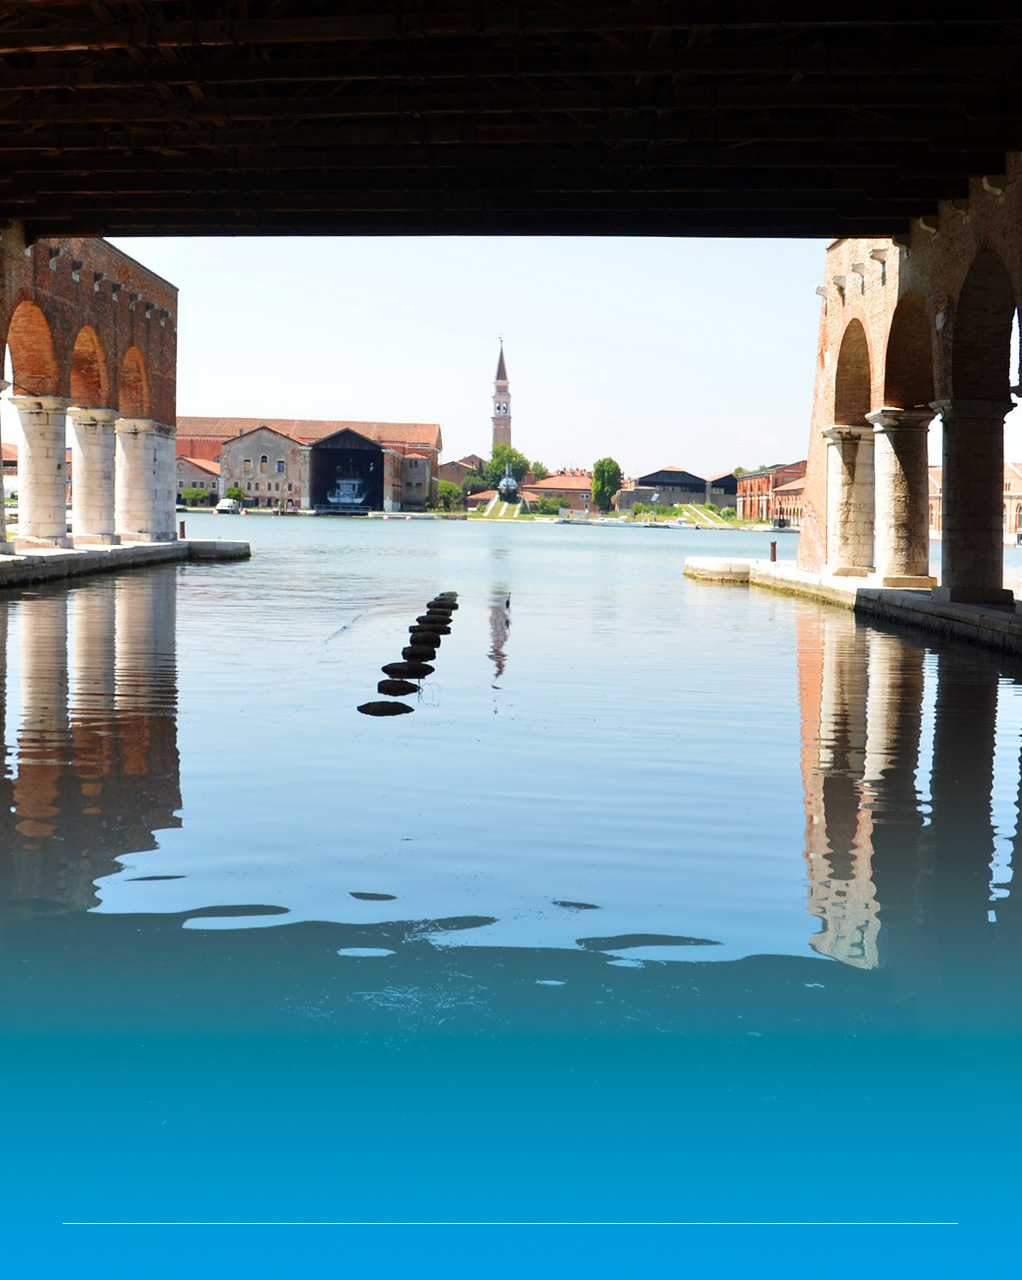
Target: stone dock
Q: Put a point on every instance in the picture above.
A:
(53, 565)
(993, 626)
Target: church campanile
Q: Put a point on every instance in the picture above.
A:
(501, 403)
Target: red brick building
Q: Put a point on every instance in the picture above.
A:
(757, 496)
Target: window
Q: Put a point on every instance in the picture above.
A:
(263, 464)
(289, 488)
(248, 486)
(246, 466)
(180, 484)
(280, 466)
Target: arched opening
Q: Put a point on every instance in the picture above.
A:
(90, 383)
(133, 400)
(34, 368)
(852, 379)
(981, 343)
(908, 375)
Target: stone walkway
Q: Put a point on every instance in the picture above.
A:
(52, 564)
(993, 626)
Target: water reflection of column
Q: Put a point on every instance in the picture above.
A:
(8, 838)
(146, 700)
(833, 682)
(894, 723)
(959, 844)
(43, 748)
(93, 725)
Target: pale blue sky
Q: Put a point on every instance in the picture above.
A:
(692, 353)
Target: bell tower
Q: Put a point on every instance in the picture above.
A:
(501, 403)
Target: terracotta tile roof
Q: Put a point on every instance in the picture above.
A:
(792, 486)
(308, 430)
(213, 468)
(478, 499)
(565, 480)
(10, 452)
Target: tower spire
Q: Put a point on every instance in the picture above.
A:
(501, 402)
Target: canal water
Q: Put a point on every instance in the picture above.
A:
(669, 903)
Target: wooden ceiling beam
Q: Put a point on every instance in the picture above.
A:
(475, 21)
(107, 74)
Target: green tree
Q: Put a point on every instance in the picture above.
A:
(538, 470)
(502, 455)
(194, 497)
(474, 482)
(236, 492)
(448, 495)
(606, 482)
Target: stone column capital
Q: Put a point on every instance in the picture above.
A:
(136, 426)
(103, 417)
(890, 419)
(958, 408)
(846, 434)
(45, 404)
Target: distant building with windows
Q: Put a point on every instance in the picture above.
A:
(758, 495)
(323, 465)
(572, 487)
(198, 473)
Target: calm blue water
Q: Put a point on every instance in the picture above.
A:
(669, 903)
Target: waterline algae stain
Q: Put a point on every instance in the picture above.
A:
(675, 898)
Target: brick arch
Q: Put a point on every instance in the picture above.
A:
(981, 341)
(133, 400)
(90, 381)
(852, 383)
(35, 370)
(908, 373)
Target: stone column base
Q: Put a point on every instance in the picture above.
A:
(123, 538)
(851, 571)
(24, 545)
(908, 582)
(95, 540)
(975, 595)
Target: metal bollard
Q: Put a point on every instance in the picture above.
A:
(773, 547)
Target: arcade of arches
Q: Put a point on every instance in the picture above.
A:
(92, 337)
(911, 330)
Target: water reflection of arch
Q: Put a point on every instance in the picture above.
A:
(94, 771)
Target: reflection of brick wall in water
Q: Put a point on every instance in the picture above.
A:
(832, 677)
(96, 776)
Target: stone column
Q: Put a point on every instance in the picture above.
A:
(6, 548)
(92, 476)
(144, 489)
(972, 552)
(850, 500)
(42, 469)
(902, 518)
